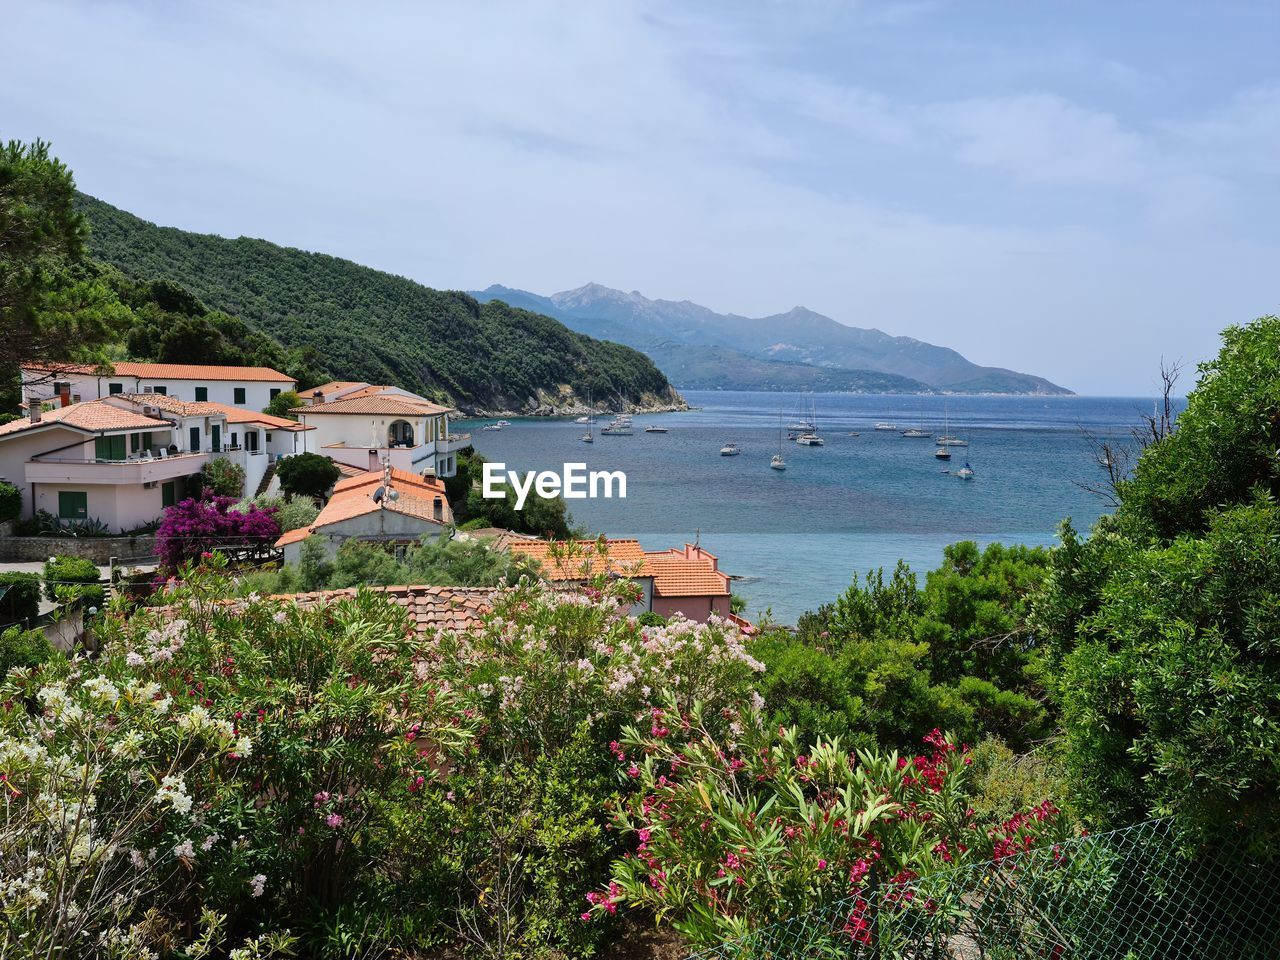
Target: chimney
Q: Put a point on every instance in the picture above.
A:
(64, 395)
(33, 408)
(317, 398)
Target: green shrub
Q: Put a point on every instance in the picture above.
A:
(291, 513)
(10, 501)
(23, 648)
(73, 580)
(224, 477)
(307, 475)
(21, 597)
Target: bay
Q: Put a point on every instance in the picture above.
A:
(796, 538)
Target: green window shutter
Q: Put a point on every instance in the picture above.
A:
(240, 398)
(202, 394)
(168, 494)
(133, 443)
(114, 388)
(73, 505)
(195, 440)
(109, 448)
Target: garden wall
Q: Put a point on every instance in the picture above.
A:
(98, 549)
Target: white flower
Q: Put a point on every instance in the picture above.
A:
(209, 841)
(134, 659)
(185, 850)
(257, 884)
(101, 688)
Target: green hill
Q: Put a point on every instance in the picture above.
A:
(363, 324)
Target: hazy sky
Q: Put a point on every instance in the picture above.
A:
(1069, 189)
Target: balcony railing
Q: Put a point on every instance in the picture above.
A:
(127, 472)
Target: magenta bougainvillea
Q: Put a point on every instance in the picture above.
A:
(197, 526)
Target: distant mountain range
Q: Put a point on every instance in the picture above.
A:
(698, 348)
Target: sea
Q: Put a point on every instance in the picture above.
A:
(795, 539)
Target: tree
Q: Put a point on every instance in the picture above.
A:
(283, 404)
(55, 308)
(1162, 626)
(307, 475)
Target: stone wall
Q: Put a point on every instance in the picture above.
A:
(98, 549)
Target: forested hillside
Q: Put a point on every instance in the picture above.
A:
(362, 324)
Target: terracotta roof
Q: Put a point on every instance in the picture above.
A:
(333, 386)
(173, 371)
(240, 415)
(346, 469)
(184, 408)
(430, 608)
(375, 405)
(93, 416)
(352, 497)
(675, 575)
(366, 478)
(623, 557)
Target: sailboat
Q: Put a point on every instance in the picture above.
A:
(810, 437)
(946, 440)
(918, 432)
(965, 472)
(589, 420)
(777, 463)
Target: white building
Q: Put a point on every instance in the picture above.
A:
(250, 388)
(105, 460)
(363, 425)
(390, 507)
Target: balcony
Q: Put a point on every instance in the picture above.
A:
(453, 443)
(115, 472)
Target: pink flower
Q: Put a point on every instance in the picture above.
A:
(822, 864)
(333, 821)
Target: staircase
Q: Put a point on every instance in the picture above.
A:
(266, 479)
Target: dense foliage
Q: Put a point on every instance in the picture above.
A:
(194, 527)
(1163, 624)
(541, 516)
(73, 580)
(19, 597)
(224, 477)
(434, 560)
(732, 836)
(169, 324)
(376, 327)
(307, 475)
(53, 307)
(888, 660)
(21, 648)
(10, 501)
(291, 514)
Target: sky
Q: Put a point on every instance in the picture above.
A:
(1075, 190)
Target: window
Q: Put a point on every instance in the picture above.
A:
(195, 439)
(275, 392)
(114, 388)
(139, 442)
(169, 494)
(239, 395)
(109, 448)
(202, 394)
(163, 391)
(73, 505)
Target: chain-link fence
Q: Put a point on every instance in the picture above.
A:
(1131, 894)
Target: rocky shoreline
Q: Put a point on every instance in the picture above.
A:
(568, 405)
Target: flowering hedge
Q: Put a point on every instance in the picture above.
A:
(731, 836)
(194, 527)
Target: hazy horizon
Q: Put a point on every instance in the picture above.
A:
(1068, 192)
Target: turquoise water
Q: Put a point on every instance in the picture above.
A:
(796, 538)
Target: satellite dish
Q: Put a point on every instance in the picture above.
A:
(378, 494)
(393, 494)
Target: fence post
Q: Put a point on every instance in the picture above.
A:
(873, 905)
